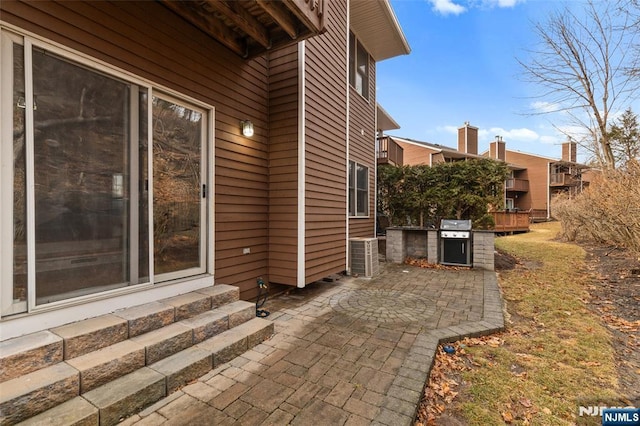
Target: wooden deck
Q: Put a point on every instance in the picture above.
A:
(507, 221)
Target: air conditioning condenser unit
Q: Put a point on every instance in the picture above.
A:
(363, 257)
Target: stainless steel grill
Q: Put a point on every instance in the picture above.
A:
(455, 242)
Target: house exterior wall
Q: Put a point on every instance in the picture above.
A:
(258, 195)
(362, 135)
(283, 164)
(325, 147)
(537, 173)
(416, 155)
(148, 40)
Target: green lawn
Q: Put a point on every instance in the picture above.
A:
(555, 354)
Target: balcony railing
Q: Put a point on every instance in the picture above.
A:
(509, 221)
(389, 152)
(518, 185)
(562, 179)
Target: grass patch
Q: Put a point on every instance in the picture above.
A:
(555, 354)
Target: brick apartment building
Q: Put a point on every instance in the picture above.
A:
(534, 179)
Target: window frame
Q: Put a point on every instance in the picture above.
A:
(10, 35)
(356, 49)
(352, 199)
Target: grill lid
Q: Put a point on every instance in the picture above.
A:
(455, 225)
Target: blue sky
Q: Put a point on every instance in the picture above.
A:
(463, 67)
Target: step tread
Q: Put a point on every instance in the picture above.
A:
(101, 366)
(207, 324)
(235, 341)
(33, 393)
(147, 317)
(77, 411)
(189, 304)
(94, 333)
(165, 341)
(239, 312)
(25, 354)
(184, 367)
(127, 395)
(221, 294)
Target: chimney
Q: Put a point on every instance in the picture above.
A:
(498, 149)
(468, 139)
(569, 151)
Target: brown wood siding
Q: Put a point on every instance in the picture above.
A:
(151, 42)
(325, 154)
(413, 155)
(362, 148)
(283, 165)
(537, 172)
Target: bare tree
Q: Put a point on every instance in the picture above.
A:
(582, 64)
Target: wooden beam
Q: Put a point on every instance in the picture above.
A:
(310, 12)
(243, 20)
(279, 15)
(210, 25)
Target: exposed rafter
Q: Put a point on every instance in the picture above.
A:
(243, 20)
(214, 27)
(281, 16)
(251, 27)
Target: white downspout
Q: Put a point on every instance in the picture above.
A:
(346, 242)
(301, 273)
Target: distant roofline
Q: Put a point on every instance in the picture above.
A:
(436, 147)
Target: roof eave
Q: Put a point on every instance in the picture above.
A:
(377, 28)
(384, 120)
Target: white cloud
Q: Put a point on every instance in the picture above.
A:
(546, 107)
(448, 129)
(549, 140)
(456, 7)
(521, 135)
(447, 7)
(501, 3)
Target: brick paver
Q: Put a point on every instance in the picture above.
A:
(350, 352)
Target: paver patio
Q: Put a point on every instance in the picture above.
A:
(355, 351)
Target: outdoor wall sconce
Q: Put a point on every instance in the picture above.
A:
(247, 128)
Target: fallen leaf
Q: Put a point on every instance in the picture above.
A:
(546, 411)
(525, 402)
(590, 363)
(507, 416)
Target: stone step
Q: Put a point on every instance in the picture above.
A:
(189, 305)
(229, 344)
(77, 412)
(91, 334)
(23, 355)
(89, 355)
(104, 365)
(33, 393)
(183, 367)
(166, 341)
(221, 294)
(148, 317)
(130, 394)
(127, 395)
(239, 312)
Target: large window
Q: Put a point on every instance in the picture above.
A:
(97, 205)
(358, 66)
(358, 189)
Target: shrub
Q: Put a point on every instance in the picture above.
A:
(608, 211)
